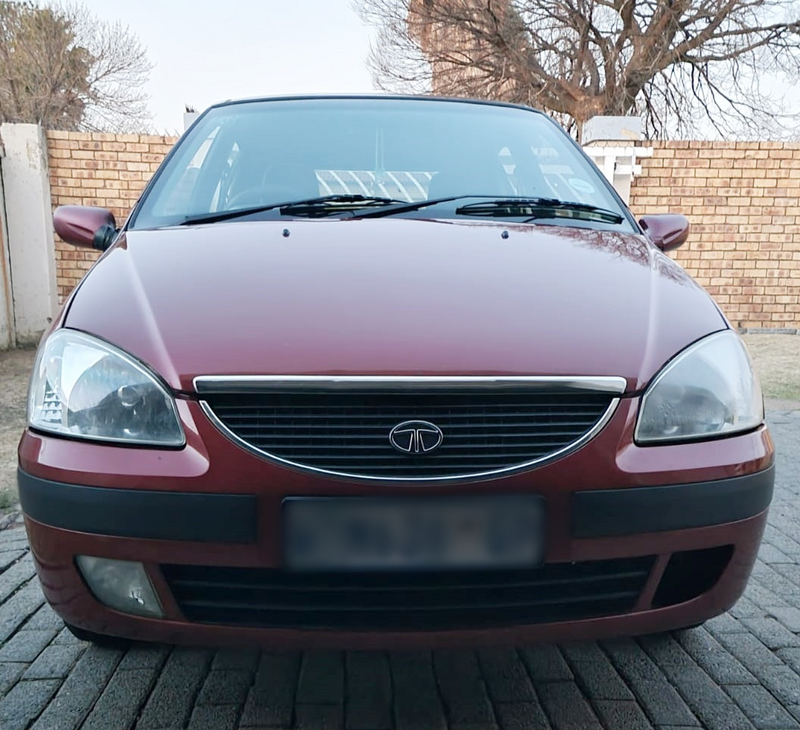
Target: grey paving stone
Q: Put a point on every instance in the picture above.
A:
(627, 715)
(600, 681)
(631, 661)
(8, 558)
(663, 649)
(587, 651)
(144, 656)
(522, 716)
(717, 661)
(55, 662)
(171, 700)
(221, 717)
(24, 702)
(566, 707)
(724, 624)
(782, 541)
(80, 690)
(770, 554)
(771, 633)
(245, 659)
(745, 608)
(695, 686)
(505, 676)
(321, 679)
(270, 702)
(16, 610)
(748, 649)
(25, 646)
(13, 542)
(225, 687)
(789, 617)
(368, 691)
(14, 577)
(761, 708)
(65, 636)
(10, 672)
(782, 681)
(546, 664)
(781, 580)
(416, 695)
(723, 716)
(122, 700)
(44, 618)
(319, 717)
(463, 691)
(791, 657)
(662, 703)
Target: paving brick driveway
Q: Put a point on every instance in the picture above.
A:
(741, 670)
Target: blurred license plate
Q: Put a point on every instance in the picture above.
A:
(366, 533)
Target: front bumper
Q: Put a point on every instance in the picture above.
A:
(692, 547)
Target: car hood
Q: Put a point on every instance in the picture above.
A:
(395, 296)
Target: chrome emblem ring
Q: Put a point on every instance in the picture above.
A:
(416, 437)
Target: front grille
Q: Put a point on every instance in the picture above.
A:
(348, 433)
(405, 601)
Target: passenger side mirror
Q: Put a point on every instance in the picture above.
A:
(667, 231)
(85, 226)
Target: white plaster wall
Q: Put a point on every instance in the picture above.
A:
(31, 248)
(7, 338)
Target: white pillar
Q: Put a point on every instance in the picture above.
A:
(7, 338)
(29, 225)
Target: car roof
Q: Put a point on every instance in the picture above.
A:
(374, 97)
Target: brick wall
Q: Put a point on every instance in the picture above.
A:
(742, 198)
(743, 201)
(107, 170)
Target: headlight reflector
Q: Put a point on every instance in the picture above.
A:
(85, 388)
(708, 390)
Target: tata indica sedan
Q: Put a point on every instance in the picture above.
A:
(388, 372)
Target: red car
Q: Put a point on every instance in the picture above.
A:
(388, 372)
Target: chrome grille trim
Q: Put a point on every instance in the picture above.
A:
(219, 384)
(258, 384)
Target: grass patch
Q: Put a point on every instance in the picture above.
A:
(777, 361)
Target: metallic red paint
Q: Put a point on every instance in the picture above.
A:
(392, 297)
(77, 224)
(667, 231)
(388, 297)
(64, 589)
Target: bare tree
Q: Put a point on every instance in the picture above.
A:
(684, 65)
(63, 68)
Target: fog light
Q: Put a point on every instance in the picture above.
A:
(120, 584)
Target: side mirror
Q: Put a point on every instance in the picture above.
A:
(667, 231)
(84, 226)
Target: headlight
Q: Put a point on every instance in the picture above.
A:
(85, 388)
(708, 390)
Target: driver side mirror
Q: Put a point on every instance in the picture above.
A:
(667, 231)
(85, 226)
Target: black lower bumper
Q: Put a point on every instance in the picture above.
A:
(232, 518)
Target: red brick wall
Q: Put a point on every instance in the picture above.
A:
(743, 200)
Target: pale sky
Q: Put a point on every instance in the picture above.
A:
(207, 51)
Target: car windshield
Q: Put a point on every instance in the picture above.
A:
(255, 154)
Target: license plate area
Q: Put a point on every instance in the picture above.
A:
(412, 533)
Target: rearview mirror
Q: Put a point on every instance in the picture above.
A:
(667, 231)
(85, 226)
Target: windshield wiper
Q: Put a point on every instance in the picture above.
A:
(310, 206)
(535, 208)
(418, 205)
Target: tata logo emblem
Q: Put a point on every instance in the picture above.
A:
(416, 437)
